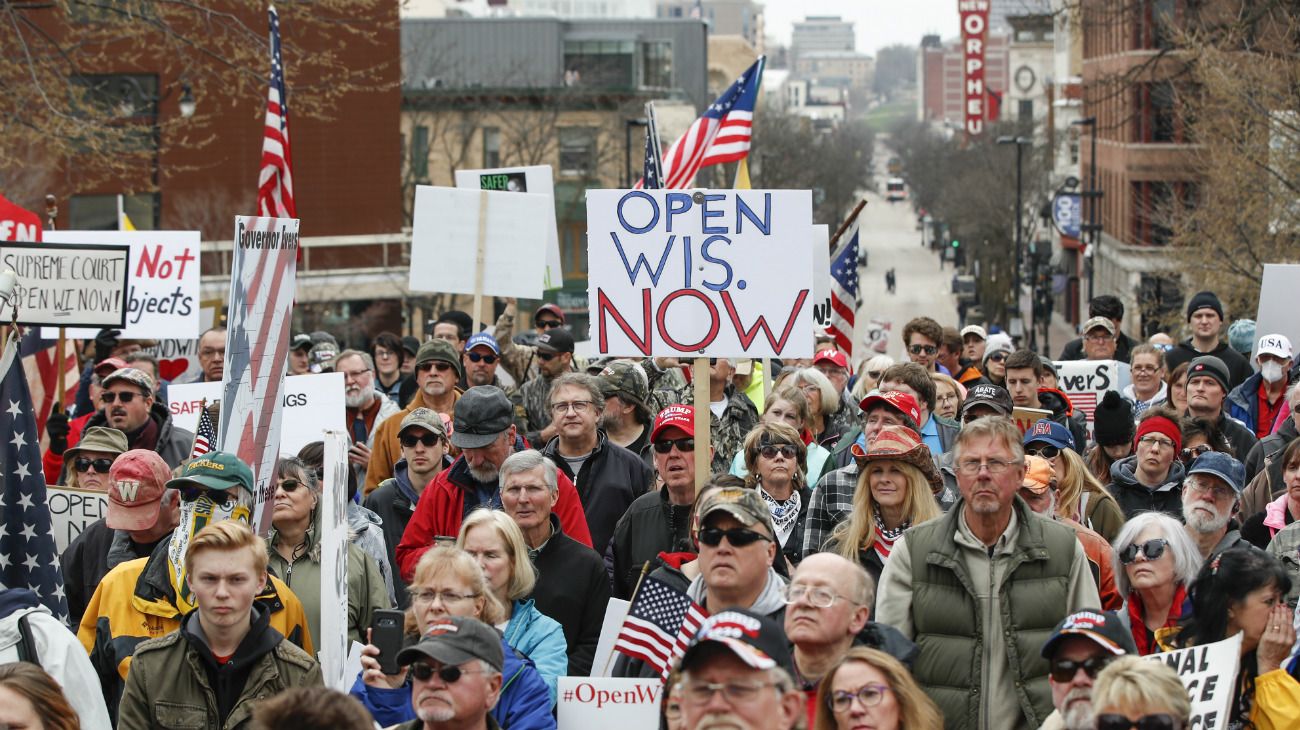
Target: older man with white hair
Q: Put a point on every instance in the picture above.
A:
(365, 408)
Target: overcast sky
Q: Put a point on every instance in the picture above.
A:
(878, 23)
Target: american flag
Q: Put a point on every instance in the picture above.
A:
(28, 558)
(844, 292)
(205, 434)
(659, 624)
(43, 367)
(721, 135)
(653, 176)
(275, 180)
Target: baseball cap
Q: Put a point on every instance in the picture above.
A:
(1096, 322)
(898, 400)
(675, 416)
(215, 470)
(987, 394)
(1039, 474)
(97, 438)
(455, 640)
(138, 378)
(974, 329)
(549, 308)
(137, 480)
(484, 339)
(482, 414)
(301, 341)
(755, 639)
(1049, 432)
(835, 357)
(109, 365)
(411, 345)
(627, 380)
(1275, 345)
(425, 418)
(556, 340)
(321, 357)
(743, 503)
(1223, 466)
(439, 350)
(1101, 627)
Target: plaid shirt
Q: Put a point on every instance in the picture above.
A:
(832, 503)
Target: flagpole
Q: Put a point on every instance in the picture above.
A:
(847, 222)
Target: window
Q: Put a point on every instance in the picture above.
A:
(1156, 117)
(420, 153)
(1156, 204)
(657, 64)
(100, 212)
(578, 151)
(1156, 24)
(1025, 111)
(600, 64)
(491, 147)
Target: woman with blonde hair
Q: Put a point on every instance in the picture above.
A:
(774, 462)
(948, 396)
(870, 688)
(787, 404)
(1080, 497)
(895, 491)
(869, 373)
(1134, 692)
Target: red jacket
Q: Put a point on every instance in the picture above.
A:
(53, 463)
(442, 507)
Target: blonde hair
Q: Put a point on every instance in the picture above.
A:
(228, 535)
(957, 388)
(779, 434)
(792, 395)
(450, 561)
(1072, 482)
(865, 384)
(859, 531)
(915, 708)
(1140, 684)
(522, 574)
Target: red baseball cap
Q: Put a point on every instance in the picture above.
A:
(138, 480)
(109, 365)
(832, 356)
(896, 399)
(675, 416)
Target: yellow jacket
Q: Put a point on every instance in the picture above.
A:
(1277, 694)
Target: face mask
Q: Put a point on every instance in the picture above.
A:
(195, 515)
(1271, 371)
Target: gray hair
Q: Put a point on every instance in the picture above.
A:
(998, 428)
(527, 460)
(365, 358)
(589, 383)
(294, 468)
(1187, 557)
(1293, 395)
(813, 376)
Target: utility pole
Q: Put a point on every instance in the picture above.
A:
(1091, 230)
(1020, 143)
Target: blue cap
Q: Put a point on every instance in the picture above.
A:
(1223, 466)
(482, 338)
(1049, 432)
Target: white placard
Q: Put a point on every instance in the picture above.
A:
(163, 297)
(532, 179)
(333, 641)
(312, 404)
(68, 285)
(615, 613)
(72, 510)
(1086, 382)
(1209, 673)
(445, 241)
(821, 247)
(1277, 305)
(178, 359)
(714, 273)
(600, 703)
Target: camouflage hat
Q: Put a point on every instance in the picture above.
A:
(743, 503)
(626, 380)
(321, 357)
(425, 418)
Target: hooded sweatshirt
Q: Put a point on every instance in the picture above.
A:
(1134, 497)
(227, 679)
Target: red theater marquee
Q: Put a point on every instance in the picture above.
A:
(974, 32)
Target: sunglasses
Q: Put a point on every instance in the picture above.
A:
(288, 486)
(450, 674)
(1152, 549)
(771, 450)
(685, 446)
(546, 356)
(875, 374)
(219, 497)
(737, 536)
(1190, 455)
(998, 356)
(1063, 670)
(1047, 451)
(1160, 721)
(441, 366)
(918, 349)
(410, 440)
(547, 324)
(83, 465)
(479, 357)
(125, 396)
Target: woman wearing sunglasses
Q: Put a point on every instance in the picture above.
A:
(871, 689)
(1155, 562)
(294, 546)
(1136, 694)
(774, 462)
(994, 365)
(88, 462)
(448, 582)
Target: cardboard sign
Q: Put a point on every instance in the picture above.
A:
(178, 359)
(333, 641)
(263, 267)
(452, 224)
(821, 248)
(1086, 382)
(18, 223)
(534, 179)
(600, 703)
(1209, 673)
(163, 298)
(717, 273)
(72, 510)
(1026, 417)
(69, 285)
(312, 405)
(1277, 305)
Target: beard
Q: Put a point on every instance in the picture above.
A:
(1078, 709)
(721, 720)
(1202, 523)
(435, 714)
(485, 472)
(359, 397)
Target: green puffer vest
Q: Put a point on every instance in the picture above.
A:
(948, 619)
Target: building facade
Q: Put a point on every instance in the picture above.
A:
(941, 79)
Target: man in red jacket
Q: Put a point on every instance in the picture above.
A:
(483, 429)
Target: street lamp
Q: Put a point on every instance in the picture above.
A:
(1092, 195)
(1020, 143)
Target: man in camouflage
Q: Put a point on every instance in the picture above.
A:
(666, 383)
(626, 415)
(733, 414)
(554, 352)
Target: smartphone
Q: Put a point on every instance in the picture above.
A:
(386, 631)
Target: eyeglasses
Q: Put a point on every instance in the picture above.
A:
(998, 357)
(381, 354)
(355, 374)
(918, 349)
(771, 450)
(125, 396)
(447, 597)
(869, 695)
(287, 486)
(450, 674)
(1063, 670)
(480, 357)
(686, 445)
(699, 693)
(816, 596)
(1153, 440)
(1218, 492)
(1151, 549)
(1159, 721)
(995, 466)
(1189, 455)
(191, 493)
(1099, 338)
(409, 440)
(439, 365)
(83, 465)
(547, 324)
(1144, 369)
(1047, 451)
(736, 536)
(546, 356)
(577, 406)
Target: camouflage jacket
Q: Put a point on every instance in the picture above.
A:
(518, 360)
(667, 386)
(728, 432)
(535, 397)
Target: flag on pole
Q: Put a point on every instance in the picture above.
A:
(123, 220)
(721, 135)
(652, 177)
(659, 624)
(28, 557)
(844, 292)
(204, 434)
(43, 366)
(275, 180)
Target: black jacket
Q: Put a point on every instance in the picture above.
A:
(1240, 438)
(608, 482)
(1269, 447)
(1134, 497)
(651, 525)
(573, 589)
(1063, 413)
(1073, 349)
(1238, 366)
(89, 558)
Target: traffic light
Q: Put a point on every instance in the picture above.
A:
(956, 243)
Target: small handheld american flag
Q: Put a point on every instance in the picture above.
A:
(659, 624)
(844, 292)
(204, 434)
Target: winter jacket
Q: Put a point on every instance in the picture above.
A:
(385, 449)
(1264, 468)
(524, 703)
(97, 550)
(1285, 546)
(1100, 512)
(1101, 564)
(1063, 412)
(572, 588)
(174, 443)
(1134, 497)
(1260, 528)
(540, 638)
(393, 503)
(455, 493)
(136, 602)
(1240, 439)
(387, 409)
(608, 482)
(56, 651)
(1124, 345)
(1238, 366)
(366, 531)
(651, 525)
(176, 682)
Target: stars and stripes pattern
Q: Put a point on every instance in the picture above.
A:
(28, 557)
(43, 367)
(844, 292)
(652, 177)
(659, 624)
(204, 434)
(275, 180)
(722, 134)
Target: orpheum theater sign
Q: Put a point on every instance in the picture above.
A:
(974, 31)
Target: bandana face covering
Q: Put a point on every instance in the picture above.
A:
(195, 515)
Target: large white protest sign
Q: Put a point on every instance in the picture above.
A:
(714, 273)
(600, 703)
(312, 404)
(454, 230)
(1277, 304)
(163, 298)
(69, 285)
(1085, 382)
(1209, 674)
(262, 274)
(333, 640)
(178, 359)
(72, 510)
(821, 247)
(532, 179)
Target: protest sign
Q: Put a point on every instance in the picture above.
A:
(263, 267)
(1277, 304)
(333, 640)
(178, 359)
(1209, 674)
(532, 179)
(615, 612)
(599, 703)
(69, 285)
(313, 402)
(72, 510)
(1086, 382)
(717, 273)
(499, 235)
(821, 247)
(163, 298)
(17, 223)
(1025, 417)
